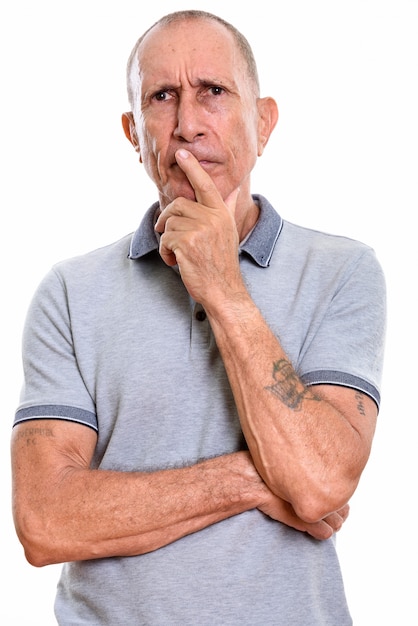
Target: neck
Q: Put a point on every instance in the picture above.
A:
(246, 218)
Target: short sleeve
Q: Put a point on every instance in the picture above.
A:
(349, 343)
(53, 386)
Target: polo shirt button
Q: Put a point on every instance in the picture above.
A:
(200, 315)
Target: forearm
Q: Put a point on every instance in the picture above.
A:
(86, 514)
(304, 448)
(309, 447)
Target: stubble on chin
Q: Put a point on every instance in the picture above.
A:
(176, 189)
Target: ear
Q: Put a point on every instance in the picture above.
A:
(268, 115)
(129, 129)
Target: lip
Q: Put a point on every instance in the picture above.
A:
(207, 164)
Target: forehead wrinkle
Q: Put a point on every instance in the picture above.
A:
(154, 48)
(187, 71)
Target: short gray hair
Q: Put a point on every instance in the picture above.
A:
(179, 16)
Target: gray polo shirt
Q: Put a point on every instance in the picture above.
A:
(114, 341)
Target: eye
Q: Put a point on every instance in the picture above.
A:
(160, 96)
(216, 90)
(163, 95)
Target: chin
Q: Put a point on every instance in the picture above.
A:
(178, 191)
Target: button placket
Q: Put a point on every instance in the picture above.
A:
(201, 333)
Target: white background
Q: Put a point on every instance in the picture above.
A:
(343, 159)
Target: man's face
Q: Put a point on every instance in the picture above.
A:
(195, 93)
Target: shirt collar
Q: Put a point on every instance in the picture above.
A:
(259, 244)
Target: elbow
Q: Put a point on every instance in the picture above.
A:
(313, 510)
(36, 558)
(35, 541)
(313, 498)
(36, 554)
(316, 503)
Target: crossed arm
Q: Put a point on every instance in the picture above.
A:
(307, 447)
(66, 511)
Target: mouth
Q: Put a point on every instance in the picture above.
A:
(205, 164)
(205, 160)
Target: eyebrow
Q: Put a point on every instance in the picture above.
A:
(204, 82)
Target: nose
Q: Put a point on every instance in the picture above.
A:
(190, 119)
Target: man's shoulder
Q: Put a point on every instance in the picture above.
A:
(321, 240)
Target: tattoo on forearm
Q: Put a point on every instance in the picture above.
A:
(360, 404)
(288, 386)
(30, 434)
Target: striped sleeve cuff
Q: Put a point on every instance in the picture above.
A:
(332, 377)
(57, 411)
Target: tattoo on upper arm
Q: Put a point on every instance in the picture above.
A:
(30, 434)
(288, 386)
(360, 403)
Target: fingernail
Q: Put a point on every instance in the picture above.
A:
(183, 154)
